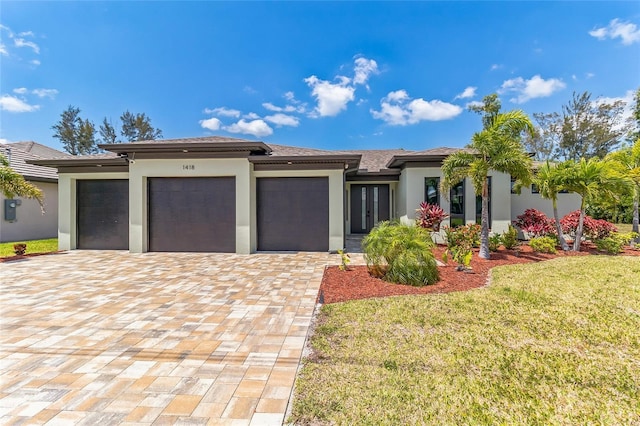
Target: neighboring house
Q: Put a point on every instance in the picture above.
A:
(29, 223)
(222, 194)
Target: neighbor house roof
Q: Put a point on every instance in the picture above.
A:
(20, 152)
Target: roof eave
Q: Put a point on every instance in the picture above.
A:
(120, 148)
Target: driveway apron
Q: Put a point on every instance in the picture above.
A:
(108, 337)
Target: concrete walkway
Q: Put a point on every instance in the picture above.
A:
(100, 337)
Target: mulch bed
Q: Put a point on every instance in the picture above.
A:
(356, 283)
(26, 256)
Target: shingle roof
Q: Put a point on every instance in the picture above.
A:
(21, 151)
(375, 160)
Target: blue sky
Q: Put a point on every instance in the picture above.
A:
(329, 75)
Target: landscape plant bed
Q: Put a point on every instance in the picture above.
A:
(27, 255)
(356, 283)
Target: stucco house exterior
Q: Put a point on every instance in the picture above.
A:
(23, 219)
(219, 194)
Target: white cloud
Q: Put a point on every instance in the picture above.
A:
(290, 96)
(251, 116)
(20, 42)
(469, 92)
(590, 75)
(257, 128)
(26, 34)
(331, 97)
(12, 104)
(495, 67)
(363, 69)
(280, 119)
(3, 50)
(536, 87)
(211, 123)
(45, 93)
(628, 32)
(5, 141)
(627, 112)
(397, 109)
(20, 90)
(223, 112)
(35, 62)
(474, 104)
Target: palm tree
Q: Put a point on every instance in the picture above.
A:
(627, 161)
(12, 184)
(497, 147)
(589, 178)
(549, 180)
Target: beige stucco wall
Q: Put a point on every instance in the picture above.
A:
(67, 238)
(30, 223)
(336, 202)
(526, 200)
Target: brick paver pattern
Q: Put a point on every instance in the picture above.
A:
(106, 337)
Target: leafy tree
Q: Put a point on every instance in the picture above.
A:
(489, 109)
(137, 127)
(586, 128)
(634, 120)
(108, 132)
(497, 147)
(627, 161)
(77, 135)
(591, 178)
(549, 179)
(13, 184)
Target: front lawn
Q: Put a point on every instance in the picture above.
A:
(553, 342)
(33, 246)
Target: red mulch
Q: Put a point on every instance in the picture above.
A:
(356, 283)
(25, 256)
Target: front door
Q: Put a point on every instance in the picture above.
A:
(369, 205)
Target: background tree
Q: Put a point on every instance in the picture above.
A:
(13, 184)
(627, 161)
(634, 120)
(592, 178)
(586, 128)
(137, 127)
(108, 132)
(76, 134)
(497, 147)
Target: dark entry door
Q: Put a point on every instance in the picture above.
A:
(195, 214)
(369, 205)
(293, 214)
(102, 214)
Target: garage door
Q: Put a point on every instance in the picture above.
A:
(293, 214)
(192, 214)
(102, 214)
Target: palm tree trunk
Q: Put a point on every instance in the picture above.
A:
(563, 242)
(576, 243)
(484, 223)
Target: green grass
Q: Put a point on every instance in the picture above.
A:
(33, 246)
(624, 227)
(555, 342)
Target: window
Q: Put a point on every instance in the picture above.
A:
(457, 205)
(479, 205)
(432, 191)
(534, 189)
(513, 184)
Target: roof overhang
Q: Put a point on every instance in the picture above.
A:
(397, 161)
(306, 162)
(243, 148)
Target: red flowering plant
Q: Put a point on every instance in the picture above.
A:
(430, 216)
(592, 229)
(534, 223)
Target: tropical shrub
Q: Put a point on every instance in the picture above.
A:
(534, 223)
(401, 254)
(614, 243)
(494, 242)
(460, 242)
(20, 248)
(593, 229)
(345, 259)
(430, 216)
(543, 244)
(510, 238)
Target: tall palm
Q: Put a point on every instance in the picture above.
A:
(590, 178)
(497, 147)
(12, 184)
(627, 161)
(549, 179)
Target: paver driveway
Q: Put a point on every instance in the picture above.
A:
(103, 337)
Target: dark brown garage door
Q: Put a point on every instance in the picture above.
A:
(102, 214)
(293, 214)
(192, 214)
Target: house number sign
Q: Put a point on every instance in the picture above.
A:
(188, 167)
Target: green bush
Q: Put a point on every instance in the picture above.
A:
(494, 242)
(460, 241)
(401, 254)
(510, 238)
(614, 243)
(543, 244)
